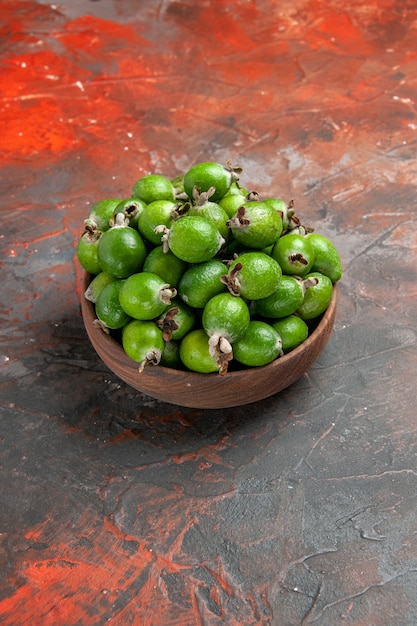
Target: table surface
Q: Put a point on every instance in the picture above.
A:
(120, 509)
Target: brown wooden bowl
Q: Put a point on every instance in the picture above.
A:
(210, 391)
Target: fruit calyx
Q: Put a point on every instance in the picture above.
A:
(231, 280)
(93, 234)
(120, 220)
(234, 170)
(239, 220)
(167, 323)
(152, 357)
(202, 197)
(221, 350)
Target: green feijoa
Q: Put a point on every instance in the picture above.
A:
(231, 202)
(193, 239)
(171, 355)
(294, 253)
(176, 321)
(153, 187)
(225, 320)
(101, 214)
(260, 345)
(210, 210)
(285, 300)
(210, 174)
(169, 267)
(317, 297)
(143, 342)
(195, 353)
(201, 282)
(285, 210)
(292, 330)
(157, 213)
(256, 224)
(110, 314)
(236, 189)
(327, 260)
(97, 285)
(253, 275)
(227, 316)
(121, 250)
(144, 296)
(131, 209)
(87, 250)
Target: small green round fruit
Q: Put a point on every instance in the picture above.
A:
(121, 250)
(164, 263)
(87, 251)
(194, 239)
(201, 282)
(327, 260)
(317, 297)
(256, 224)
(202, 176)
(143, 342)
(156, 213)
(144, 296)
(285, 300)
(260, 345)
(195, 354)
(292, 330)
(153, 187)
(294, 253)
(253, 275)
(101, 214)
(110, 314)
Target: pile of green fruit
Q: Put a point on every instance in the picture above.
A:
(199, 273)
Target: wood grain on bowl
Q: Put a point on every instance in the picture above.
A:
(209, 391)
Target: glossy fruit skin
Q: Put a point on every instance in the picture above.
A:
(194, 239)
(101, 213)
(292, 330)
(215, 214)
(285, 210)
(169, 267)
(285, 300)
(256, 225)
(206, 175)
(96, 286)
(143, 342)
(159, 212)
(260, 345)
(227, 316)
(153, 187)
(87, 251)
(231, 202)
(121, 251)
(327, 260)
(201, 282)
(142, 296)
(195, 355)
(108, 308)
(253, 275)
(317, 298)
(294, 253)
